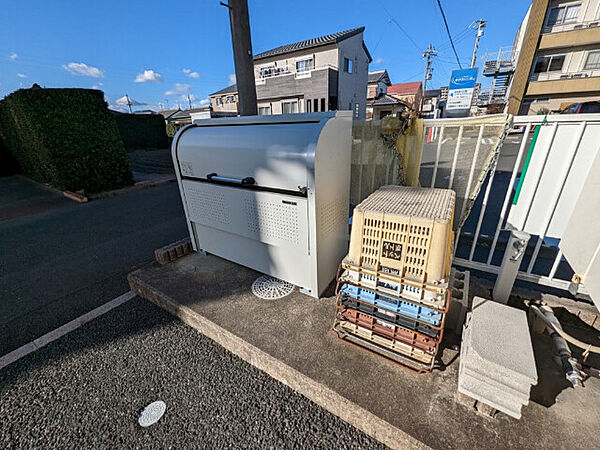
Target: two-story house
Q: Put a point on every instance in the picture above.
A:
(558, 48)
(320, 74)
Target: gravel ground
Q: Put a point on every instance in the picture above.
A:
(87, 389)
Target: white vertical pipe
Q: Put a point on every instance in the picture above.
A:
(437, 156)
(509, 191)
(456, 150)
(555, 265)
(486, 195)
(479, 137)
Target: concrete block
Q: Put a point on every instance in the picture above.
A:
(497, 365)
(459, 300)
(173, 251)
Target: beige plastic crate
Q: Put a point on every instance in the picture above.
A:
(403, 234)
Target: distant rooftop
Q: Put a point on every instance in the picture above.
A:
(311, 43)
(404, 88)
(384, 100)
(228, 90)
(378, 75)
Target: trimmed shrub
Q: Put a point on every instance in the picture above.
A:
(142, 131)
(65, 137)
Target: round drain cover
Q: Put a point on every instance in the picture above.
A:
(152, 413)
(269, 288)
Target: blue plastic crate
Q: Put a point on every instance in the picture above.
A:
(397, 306)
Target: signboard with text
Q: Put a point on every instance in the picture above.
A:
(460, 90)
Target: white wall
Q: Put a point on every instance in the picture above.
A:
(352, 86)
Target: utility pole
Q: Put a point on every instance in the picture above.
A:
(129, 103)
(480, 26)
(427, 55)
(242, 56)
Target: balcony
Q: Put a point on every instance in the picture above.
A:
(502, 61)
(549, 76)
(559, 28)
(552, 83)
(570, 35)
(261, 77)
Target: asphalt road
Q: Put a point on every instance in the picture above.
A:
(60, 264)
(87, 389)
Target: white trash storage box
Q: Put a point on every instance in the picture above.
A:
(269, 192)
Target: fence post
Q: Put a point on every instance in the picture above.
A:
(511, 261)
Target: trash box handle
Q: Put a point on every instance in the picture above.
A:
(242, 181)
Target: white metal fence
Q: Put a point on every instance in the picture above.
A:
(485, 251)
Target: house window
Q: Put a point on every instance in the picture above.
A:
(348, 65)
(316, 104)
(552, 63)
(323, 104)
(592, 61)
(290, 107)
(219, 101)
(230, 99)
(304, 65)
(308, 105)
(264, 111)
(563, 14)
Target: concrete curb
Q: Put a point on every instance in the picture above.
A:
(320, 394)
(136, 187)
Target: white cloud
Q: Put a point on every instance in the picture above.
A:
(83, 70)
(179, 88)
(13, 56)
(95, 86)
(205, 102)
(379, 61)
(148, 76)
(21, 75)
(232, 78)
(191, 73)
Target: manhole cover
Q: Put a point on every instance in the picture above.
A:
(152, 413)
(269, 288)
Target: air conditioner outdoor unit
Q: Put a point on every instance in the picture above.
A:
(269, 192)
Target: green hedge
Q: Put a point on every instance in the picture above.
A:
(142, 131)
(8, 165)
(65, 137)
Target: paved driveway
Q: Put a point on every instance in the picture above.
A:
(60, 264)
(86, 390)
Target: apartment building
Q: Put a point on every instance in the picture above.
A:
(558, 56)
(319, 74)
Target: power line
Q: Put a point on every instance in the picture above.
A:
(448, 31)
(395, 22)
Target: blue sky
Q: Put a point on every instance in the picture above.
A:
(178, 48)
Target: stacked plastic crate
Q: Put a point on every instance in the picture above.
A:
(392, 290)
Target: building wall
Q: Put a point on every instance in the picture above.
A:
(533, 25)
(352, 86)
(231, 107)
(553, 90)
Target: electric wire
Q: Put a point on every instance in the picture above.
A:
(448, 31)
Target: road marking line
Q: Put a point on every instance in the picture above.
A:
(53, 335)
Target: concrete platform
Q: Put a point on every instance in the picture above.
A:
(291, 340)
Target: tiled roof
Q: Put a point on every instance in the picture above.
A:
(384, 99)
(404, 88)
(310, 43)
(228, 90)
(374, 77)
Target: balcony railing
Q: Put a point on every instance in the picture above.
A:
(504, 60)
(558, 28)
(497, 95)
(550, 76)
(287, 70)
